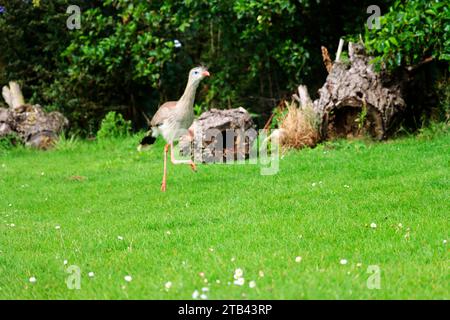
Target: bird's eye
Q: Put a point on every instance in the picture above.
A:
(195, 72)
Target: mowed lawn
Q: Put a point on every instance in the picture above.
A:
(99, 207)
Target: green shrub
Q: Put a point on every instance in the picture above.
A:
(113, 126)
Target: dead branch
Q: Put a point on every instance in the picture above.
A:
(326, 59)
(13, 95)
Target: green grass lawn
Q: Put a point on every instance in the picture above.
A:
(319, 206)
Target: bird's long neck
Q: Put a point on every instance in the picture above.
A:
(187, 99)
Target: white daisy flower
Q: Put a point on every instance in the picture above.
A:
(65, 262)
(238, 273)
(91, 274)
(32, 279)
(343, 261)
(298, 259)
(57, 227)
(168, 285)
(239, 282)
(119, 238)
(195, 294)
(128, 278)
(203, 296)
(252, 284)
(205, 289)
(373, 225)
(261, 273)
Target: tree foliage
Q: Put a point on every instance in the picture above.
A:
(32, 36)
(411, 32)
(257, 51)
(130, 55)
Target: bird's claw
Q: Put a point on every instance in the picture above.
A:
(163, 187)
(193, 167)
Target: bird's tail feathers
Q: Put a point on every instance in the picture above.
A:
(147, 141)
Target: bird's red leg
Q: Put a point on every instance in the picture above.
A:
(193, 167)
(163, 184)
(175, 161)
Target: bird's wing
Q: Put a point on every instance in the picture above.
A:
(163, 113)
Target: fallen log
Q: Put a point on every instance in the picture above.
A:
(357, 100)
(30, 123)
(220, 136)
(13, 95)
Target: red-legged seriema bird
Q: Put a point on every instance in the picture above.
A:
(174, 118)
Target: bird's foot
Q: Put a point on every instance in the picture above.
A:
(193, 167)
(163, 187)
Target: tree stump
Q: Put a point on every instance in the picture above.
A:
(220, 136)
(30, 123)
(5, 119)
(356, 100)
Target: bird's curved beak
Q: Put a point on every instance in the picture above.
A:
(205, 73)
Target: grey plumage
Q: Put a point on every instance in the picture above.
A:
(174, 117)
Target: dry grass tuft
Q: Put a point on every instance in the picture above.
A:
(299, 128)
